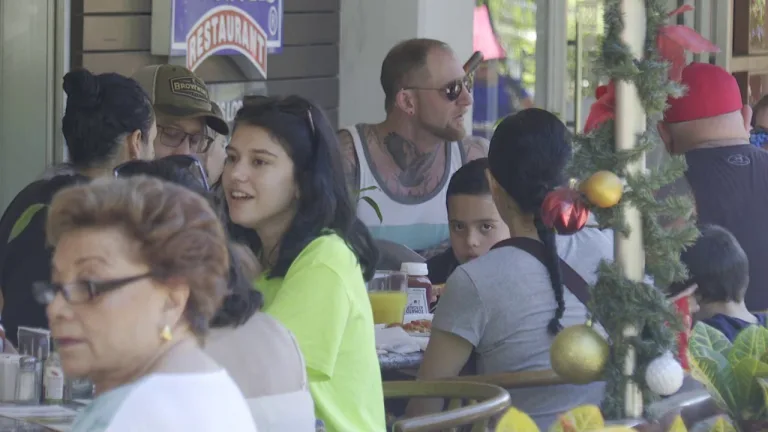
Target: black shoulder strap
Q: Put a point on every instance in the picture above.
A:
(571, 278)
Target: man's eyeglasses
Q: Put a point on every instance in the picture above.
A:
(80, 291)
(184, 162)
(453, 89)
(173, 137)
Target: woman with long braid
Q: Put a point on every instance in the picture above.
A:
(503, 309)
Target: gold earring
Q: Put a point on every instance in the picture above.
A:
(166, 334)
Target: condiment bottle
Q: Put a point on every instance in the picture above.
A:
(53, 380)
(27, 384)
(419, 289)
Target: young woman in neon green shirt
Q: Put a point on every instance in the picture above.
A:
(287, 197)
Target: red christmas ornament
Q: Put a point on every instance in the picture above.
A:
(564, 210)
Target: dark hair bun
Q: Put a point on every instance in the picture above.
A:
(82, 88)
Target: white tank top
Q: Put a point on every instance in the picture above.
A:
(418, 226)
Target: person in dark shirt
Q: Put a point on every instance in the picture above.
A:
(108, 120)
(759, 135)
(719, 269)
(727, 175)
(496, 96)
(474, 222)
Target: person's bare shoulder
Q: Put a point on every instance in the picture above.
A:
(474, 147)
(349, 158)
(261, 355)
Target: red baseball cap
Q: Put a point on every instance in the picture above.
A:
(712, 91)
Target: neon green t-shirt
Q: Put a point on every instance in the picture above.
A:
(323, 301)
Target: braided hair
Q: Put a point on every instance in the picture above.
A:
(527, 157)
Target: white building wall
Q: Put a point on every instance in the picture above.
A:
(369, 28)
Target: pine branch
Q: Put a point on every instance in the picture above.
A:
(618, 302)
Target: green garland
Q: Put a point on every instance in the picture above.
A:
(618, 302)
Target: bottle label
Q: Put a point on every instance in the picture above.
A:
(417, 303)
(54, 384)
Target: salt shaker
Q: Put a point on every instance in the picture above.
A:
(27, 383)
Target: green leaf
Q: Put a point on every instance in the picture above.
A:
(678, 425)
(711, 368)
(375, 207)
(763, 382)
(722, 425)
(705, 336)
(366, 189)
(515, 420)
(580, 419)
(749, 393)
(23, 221)
(751, 342)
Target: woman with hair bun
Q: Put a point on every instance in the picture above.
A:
(108, 120)
(505, 308)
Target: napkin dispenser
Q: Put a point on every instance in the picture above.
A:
(9, 371)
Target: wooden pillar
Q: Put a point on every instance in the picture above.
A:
(630, 121)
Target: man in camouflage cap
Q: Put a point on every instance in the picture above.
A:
(183, 109)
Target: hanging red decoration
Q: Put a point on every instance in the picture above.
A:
(672, 42)
(565, 211)
(603, 108)
(683, 337)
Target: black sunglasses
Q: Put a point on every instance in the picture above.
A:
(80, 291)
(453, 89)
(185, 162)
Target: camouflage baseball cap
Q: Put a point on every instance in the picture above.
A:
(177, 92)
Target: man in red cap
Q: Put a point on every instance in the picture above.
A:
(729, 177)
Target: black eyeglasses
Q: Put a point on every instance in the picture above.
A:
(185, 162)
(173, 137)
(453, 89)
(80, 291)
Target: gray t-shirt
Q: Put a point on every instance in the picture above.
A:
(502, 302)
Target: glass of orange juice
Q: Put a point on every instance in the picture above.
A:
(388, 294)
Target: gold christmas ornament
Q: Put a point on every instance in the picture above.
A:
(579, 354)
(603, 189)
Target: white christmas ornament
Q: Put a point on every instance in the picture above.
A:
(664, 375)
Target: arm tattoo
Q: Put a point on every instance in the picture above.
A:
(474, 147)
(414, 164)
(350, 161)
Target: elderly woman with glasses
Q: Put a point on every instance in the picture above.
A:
(260, 354)
(140, 266)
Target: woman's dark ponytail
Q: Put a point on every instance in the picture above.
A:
(527, 156)
(547, 236)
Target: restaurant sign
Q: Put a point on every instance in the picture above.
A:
(202, 28)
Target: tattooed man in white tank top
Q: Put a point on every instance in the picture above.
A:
(410, 156)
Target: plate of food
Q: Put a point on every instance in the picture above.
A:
(419, 328)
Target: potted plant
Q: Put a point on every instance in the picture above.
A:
(588, 418)
(735, 374)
